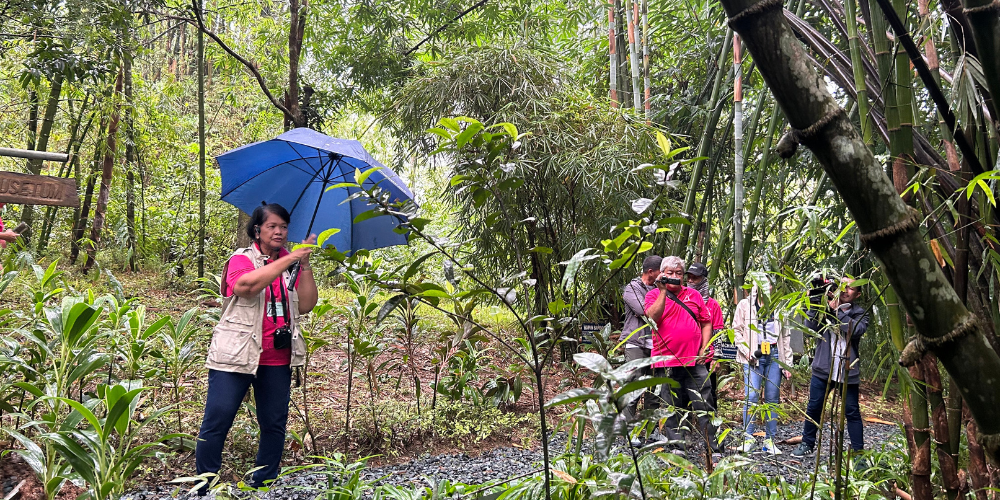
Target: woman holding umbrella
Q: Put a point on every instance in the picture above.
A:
(257, 342)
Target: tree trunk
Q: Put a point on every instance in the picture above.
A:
(35, 166)
(130, 166)
(296, 31)
(106, 176)
(76, 138)
(201, 150)
(888, 226)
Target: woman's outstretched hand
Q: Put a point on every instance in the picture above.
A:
(302, 254)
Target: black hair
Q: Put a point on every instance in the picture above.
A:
(260, 214)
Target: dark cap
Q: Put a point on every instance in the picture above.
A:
(698, 269)
(651, 262)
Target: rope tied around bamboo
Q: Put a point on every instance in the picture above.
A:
(910, 222)
(754, 11)
(789, 143)
(993, 7)
(919, 345)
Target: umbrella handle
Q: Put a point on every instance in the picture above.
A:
(295, 275)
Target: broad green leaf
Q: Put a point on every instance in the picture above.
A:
(663, 142)
(360, 179)
(343, 185)
(369, 214)
(325, 235)
(593, 362)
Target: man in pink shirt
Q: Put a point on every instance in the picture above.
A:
(683, 331)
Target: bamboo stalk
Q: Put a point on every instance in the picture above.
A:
(859, 69)
(612, 51)
(947, 325)
(633, 55)
(758, 188)
(707, 140)
(645, 61)
(921, 471)
(903, 142)
(738, 166)
(939, 412)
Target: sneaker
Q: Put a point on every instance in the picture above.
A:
(770, 448)
(860, 464)
(747, 446)
(802, 450)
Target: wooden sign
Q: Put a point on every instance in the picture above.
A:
(38, 190)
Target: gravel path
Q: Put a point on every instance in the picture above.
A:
(503, 463)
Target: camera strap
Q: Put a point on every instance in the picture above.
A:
(284, 302)
(674, 298)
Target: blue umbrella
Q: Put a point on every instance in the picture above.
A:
(295, 169)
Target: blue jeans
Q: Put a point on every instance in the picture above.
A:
(766, 378)
(818, 389)
(271, 388)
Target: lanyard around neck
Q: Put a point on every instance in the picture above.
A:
(284, 302)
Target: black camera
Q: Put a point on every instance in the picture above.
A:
(668, 281)
(283, 338)
(821, 285)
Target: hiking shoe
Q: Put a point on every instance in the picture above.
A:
(770, 448)
(802, 450)
(860, 464)
(747, 446)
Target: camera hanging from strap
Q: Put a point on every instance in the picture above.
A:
(282, 335)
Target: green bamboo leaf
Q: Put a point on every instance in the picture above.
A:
(843, 233)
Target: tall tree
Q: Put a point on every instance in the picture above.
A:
(107, 173)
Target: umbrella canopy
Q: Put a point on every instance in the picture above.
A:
(294, 170)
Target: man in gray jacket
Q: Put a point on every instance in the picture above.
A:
(840, 325)
(640, 339)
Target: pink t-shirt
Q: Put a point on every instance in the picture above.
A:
(677, 334)
(718, 323)
(240, 265)
(3, 244)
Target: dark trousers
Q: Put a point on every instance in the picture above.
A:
(818, 389)
(271, 389)
(649, 400)
(693, 381)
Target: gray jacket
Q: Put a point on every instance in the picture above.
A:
(848, 327)
(634, 296)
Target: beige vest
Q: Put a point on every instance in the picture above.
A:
(236, 340)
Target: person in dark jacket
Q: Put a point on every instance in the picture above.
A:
(840, 324)
(640, 340)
